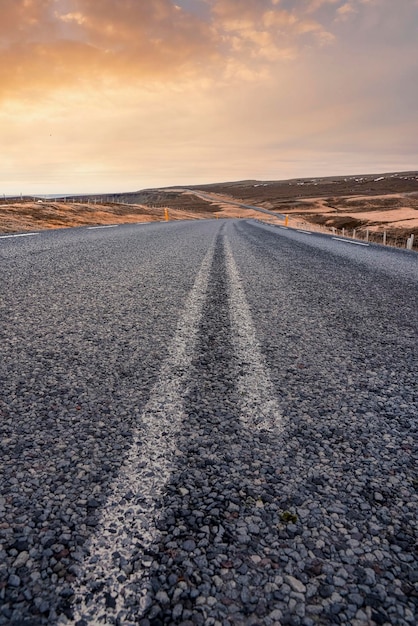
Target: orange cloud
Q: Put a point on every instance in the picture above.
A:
(49, 44)
(20, 18)
(44, 45)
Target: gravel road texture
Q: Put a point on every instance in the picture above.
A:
(210, 423)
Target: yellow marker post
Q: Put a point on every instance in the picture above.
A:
(286, 220)
(167, 217)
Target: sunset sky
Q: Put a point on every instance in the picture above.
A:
(119, 95)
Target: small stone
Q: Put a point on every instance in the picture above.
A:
(162, 598)
(14, 580)
(189, 545)
(325, 591)
(217, 581)
(245, 595)
(370, 576)
(356, 598)
(255, 558)
(276, 615)
(361, 616)
(177, 594)
(93, 503)
(43, 607)
(21, 560)
(295, 584)
(177, 611)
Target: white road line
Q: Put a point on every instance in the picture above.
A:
(259, 406)
(354, 243)
(107, 226)
(284, 227)
(21, 235)
(305, 232)
(127, 525)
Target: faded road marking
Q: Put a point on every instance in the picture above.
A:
(106, 226)
(259, 405)
(354, 243)
(127, 525)
(20, 235)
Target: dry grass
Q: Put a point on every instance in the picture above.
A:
(372, 204)
(29, 215)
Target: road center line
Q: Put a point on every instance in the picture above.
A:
(20, 235)
(354, 243)
(259, 405)
(127, 525)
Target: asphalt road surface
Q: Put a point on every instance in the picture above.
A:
(209, 423)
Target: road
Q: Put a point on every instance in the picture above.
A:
(211, 197)
(209, 422)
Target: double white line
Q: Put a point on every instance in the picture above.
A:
(128, 517)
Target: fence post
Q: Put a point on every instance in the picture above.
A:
(343, 232)
(384, 237)
(354, 233)
(410, 242)
(367, 235)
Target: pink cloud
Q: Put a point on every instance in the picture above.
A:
(47, 43)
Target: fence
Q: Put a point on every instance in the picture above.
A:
(382, 237)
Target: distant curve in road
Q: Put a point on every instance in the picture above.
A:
(214, 198)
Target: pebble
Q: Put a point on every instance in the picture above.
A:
(14, 580)
(295, 584)
(21, 560)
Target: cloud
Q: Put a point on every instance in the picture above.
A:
(315, 5)
(345, 11)
(46, 44)
(22, 17)
(61, 44)
(50, 44)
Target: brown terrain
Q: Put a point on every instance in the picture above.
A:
(367, 205)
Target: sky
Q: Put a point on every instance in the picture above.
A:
(120, 95)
